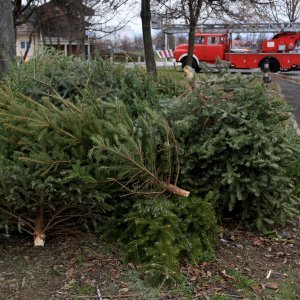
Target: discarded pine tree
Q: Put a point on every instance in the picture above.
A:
(83, 136)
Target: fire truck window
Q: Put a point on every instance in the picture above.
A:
(199, 40)
(297, 48)
(212, 40)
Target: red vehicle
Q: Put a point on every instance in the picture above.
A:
(282, 52)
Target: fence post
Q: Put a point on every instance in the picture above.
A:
(266, 69)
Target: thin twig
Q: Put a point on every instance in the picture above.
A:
(99, 294)
(107, 297)
(17, 217)
(62, 220)
(57, 213)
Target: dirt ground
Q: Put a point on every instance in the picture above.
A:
(251, 266)
(247, 266)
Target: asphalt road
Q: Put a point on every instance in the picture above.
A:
(291, 92)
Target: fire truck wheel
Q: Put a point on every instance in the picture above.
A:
(273, 65)
(194, 64)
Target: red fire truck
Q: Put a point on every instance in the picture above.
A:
(282, 52)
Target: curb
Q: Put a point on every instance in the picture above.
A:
(286, 77)
(294, 123)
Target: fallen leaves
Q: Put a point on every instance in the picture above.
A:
(226, 275)
(252, 258)
(264, 262)
(199, 273)
(271, 285)
(257, 241)
(123, 290)
(70, 272)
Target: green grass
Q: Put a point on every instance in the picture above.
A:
(221, 297)
(171, 72)
(183, 290)
(242, 280)
(59, 271)
(140, 53)
(139, 287)
(289, 288)
(242, 283)
(79, 258)
(83, 290)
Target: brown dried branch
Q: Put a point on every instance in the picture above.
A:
(17, 218)
(56, 215)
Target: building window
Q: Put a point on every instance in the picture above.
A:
(25, 45)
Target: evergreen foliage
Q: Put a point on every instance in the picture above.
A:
(234, 140)
(68, 205)
(163, 232)
(294, 172)
(50, 73)
(82, 137)
(92, 144)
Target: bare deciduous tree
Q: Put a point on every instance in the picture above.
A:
(181, 39)
(188, 11)
(161, 39)
(100, 16)
(245, 11)
(110, 16)
(285, 10)
(23, 10)
(193, 12)
(138, 42)
(126, 44)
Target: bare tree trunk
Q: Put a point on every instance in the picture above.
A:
(28, 48)
(7, 36)
(191, 42)
(147, 38)
(82, 38)
(194, 8)
(39, 234)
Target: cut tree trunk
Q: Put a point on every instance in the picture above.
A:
(176, 190)
(39, 234)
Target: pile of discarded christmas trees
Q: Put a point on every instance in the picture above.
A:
(88, 145)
